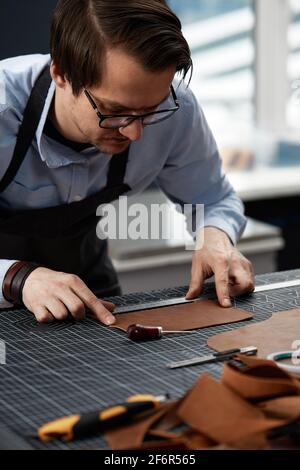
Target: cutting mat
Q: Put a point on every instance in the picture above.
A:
(65, 368)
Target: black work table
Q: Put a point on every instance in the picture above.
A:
(65, 368)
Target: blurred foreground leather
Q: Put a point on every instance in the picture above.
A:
(252, 398)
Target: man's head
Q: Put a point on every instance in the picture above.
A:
(124, 52)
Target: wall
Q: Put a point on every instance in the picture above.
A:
(25, 26)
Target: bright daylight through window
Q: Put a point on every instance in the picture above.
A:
(220, 34)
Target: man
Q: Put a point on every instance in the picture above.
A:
(111, 121)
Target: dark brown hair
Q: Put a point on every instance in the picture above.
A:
(82, 30)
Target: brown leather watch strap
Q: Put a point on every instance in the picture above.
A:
(8, 278)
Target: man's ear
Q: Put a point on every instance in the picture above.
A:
(56, 76)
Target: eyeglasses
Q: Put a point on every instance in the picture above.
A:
(117, 121)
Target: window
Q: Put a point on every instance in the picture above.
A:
(220, 34)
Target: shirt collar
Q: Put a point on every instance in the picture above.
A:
(53, 153)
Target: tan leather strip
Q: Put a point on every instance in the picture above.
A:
(260, 380)
(199, 314)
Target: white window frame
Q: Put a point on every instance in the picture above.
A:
(271, 33)
(272, 21)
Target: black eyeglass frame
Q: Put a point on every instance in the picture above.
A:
(132, 117)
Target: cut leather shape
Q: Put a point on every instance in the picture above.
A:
(234, 413)
(196, 441)
(199, 314)
(275, 334)
(259, 380)
(132, 434)
(170, 419)
(167, 446)
(287, 408)
(217, 412)
(190, 438)
(254, 441)
(162, 434)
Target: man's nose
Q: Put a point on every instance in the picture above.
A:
(133, 131)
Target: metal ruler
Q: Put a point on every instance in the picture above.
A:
(277, 285)
(152, 304)
(182, 300)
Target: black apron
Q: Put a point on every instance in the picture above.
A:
(62, 238)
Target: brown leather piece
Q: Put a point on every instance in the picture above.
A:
(260, 380)
(162, 434)
(235, 413)
(191, 439)
(217, 412)
(275, 334)
(132, 435)
(166, 446)
(196, 441)
(170, 419)
(254, 441)
(199, 314)
(287, 408)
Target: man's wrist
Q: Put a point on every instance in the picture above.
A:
(218, 231)
(209, 234)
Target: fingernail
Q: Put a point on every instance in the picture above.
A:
(110, 320)
(226, 303)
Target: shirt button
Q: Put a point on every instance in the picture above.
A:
(77, 198)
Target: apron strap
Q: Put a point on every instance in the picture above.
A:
(117, 169)
(29, 125)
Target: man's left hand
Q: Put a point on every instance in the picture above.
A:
(233, 272)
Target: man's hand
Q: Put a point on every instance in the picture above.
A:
(233, 272)
(52, 295)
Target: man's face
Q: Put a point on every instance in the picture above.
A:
(126, 88)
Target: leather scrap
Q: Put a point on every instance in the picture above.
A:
(261, 379)
(287, 408)
(275, 334)
(219, 413)
(253, 397)
(132, 435)
(196, 441)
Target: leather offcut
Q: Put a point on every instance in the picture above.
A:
(221, 414)
(237, 412)
(259, 380)
(275, 334)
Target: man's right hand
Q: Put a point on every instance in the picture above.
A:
(52, 295)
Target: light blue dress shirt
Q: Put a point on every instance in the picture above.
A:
(180, 154)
